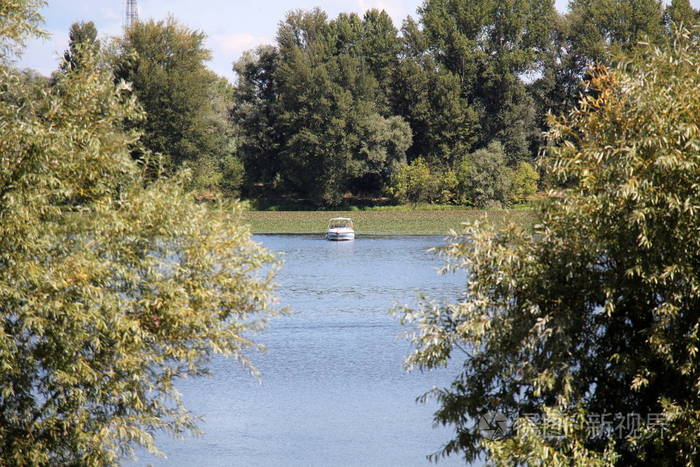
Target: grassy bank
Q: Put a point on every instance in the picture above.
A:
(381, 222)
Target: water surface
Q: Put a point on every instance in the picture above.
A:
(333, 390)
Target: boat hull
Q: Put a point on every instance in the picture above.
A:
(340, 236)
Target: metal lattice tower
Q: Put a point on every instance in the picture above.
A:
(132, 13)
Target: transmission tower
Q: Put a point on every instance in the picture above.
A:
(132, 13)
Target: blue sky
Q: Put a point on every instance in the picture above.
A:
(231, 26)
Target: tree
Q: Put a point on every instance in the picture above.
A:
(602, 30)
(558, 89)
(33, 84)
(591, 32)
(524, 182)
(312, 114)
(381, 46)
(598, 311)
(255, 113)
(164, 62)
(414, 183)
(489, 44)
(111, 287)
(19, 21)
(219, 174)
(681, 13)
(444, 124)
(483, 176)
(375, 42)
(381, 147)
(82, 35)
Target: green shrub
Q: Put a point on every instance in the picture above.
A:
(414, 183)
(462, 173)
(483, 176)
(524, 185)
(221, 177)
(232, 175)
(448, 184)
(205, 174)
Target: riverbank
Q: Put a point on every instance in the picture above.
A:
(381, 222)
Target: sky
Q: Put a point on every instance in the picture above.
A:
(232, 26)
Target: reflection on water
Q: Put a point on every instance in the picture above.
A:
(333, 391)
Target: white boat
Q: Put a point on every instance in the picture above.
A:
(340, 228)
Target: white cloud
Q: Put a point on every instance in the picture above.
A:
(235, 44)
(227, 48)
(397, 9)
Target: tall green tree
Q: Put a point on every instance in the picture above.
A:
(601, 30)
(381, 48)
(82, 35)
(334, 139)
(593, 32)
(255, 113)
(429, 97)
(598, 311)
(489, 45)
(111, 287)
(374, 42)
(680, 12)
(165, 63)
(561, 82)
(328, 124)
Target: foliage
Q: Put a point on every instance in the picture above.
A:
(463, 75)
(212, 178)
(255, 113)
(111, 288)
(417, 182)
(598, 311)
(530, 447)
(480, 179)
(82, 35)
(448, 184)
(430, 99)
(327, 130)
(414, 183)
(596, 32)
(19, 21)
(164, 62)
(31, 87)
(232, 175)
(602, 30)
(205, 174)
(483, 176)
(220, 174)
(524, 182)
(681, 13)
(488, 44)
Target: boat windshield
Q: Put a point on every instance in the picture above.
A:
(339, 223)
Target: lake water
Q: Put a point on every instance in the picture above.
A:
(333, 390)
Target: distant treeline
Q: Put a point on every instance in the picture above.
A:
(449, 108)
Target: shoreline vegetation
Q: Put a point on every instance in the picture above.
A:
(399, 220)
